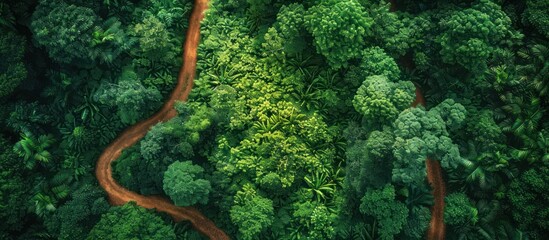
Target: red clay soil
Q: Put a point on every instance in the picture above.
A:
(118, 195)
(437, 228)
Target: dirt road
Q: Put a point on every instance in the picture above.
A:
(437, 229)
(119, 195)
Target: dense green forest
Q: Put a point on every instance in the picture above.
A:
(299, 124)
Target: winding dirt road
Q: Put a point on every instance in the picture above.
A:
(437, 229)
(119, 195)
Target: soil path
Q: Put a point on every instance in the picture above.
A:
(437, 228)
(118, 195)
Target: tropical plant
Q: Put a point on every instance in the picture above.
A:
(320, 186)
(33, 149)
(536, 71)
(43, 205)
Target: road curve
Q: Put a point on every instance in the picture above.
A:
(437, 229)
(118, 195)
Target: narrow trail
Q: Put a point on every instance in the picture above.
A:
(437, 229)
(118, 195)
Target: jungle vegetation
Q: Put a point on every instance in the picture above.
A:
(299, 125)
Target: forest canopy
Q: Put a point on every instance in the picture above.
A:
(306, 119)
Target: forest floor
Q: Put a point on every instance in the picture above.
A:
(118, 195)
(437, 229)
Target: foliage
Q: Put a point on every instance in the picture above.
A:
(471, 36)
(390, 214)
(65, 30)
(536, 15)
(75, 219)
(33, 149)
(380, 100)
(131, 98)
(12, 69)
(459, 210)
(251, 212)
(184, 184)
(421, 134)
(369, 161)
(154, 40)
(417, 223)
(316, 219)
(299, 116)
(131, 222)
(537, 69)
(389, 29)
(527, 195)
(13, 189)
(376, 62)
(338, 28)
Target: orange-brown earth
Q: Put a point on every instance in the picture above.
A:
(118, 195)
(437, 228)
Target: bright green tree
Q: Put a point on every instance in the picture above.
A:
(131, 222)
(376, 62)
(315, 219)
(33, 149)
(252, 213)
(339, 29)
(380, 100)
(155, 44)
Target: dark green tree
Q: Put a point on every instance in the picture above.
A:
(536, 71)
(65, 30)
(390, 214)
(470, 36)
(421, 134)
(185, 185)
(12, 68)
(536, 14)
(75, 218)
(459, 210)
(376, 62)
(132, 100)
(528, 195)
(14, 195)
